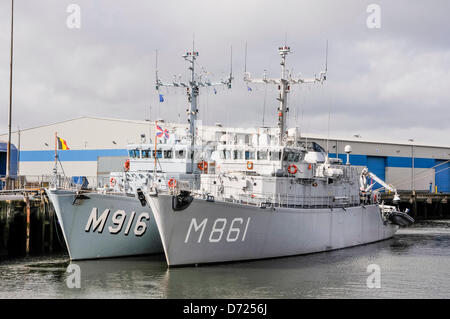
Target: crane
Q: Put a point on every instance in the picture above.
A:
(367, 188)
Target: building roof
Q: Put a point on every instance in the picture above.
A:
(4, 145)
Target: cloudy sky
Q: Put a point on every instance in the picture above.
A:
(388, 83)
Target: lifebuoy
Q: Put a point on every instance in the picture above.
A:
(112, 181)
(309, 166)
(172, 183)
(292, 169)
(249, 165)
(203, 166)
(127, 165)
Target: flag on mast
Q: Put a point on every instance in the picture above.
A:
(62, 144)
(162, 132)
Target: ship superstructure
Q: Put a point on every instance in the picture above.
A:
(270, 195)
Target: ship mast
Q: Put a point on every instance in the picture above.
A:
(192, 91)
(192, 94)
(284, 87)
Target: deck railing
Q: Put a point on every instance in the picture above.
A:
(65, 182)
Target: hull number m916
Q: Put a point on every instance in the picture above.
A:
(221, 230)
(118, 219)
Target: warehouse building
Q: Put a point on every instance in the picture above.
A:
(14, 158)
(97, 146)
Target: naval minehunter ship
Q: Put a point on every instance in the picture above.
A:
(271, 195)
(115, 220)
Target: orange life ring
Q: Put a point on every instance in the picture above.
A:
(249, 165)
(292, 169)
(203, 166)
(127, 165)
(112, 181)
(309, 166)
(172, 183)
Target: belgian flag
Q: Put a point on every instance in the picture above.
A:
(62, 144)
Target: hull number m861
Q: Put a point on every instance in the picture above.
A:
(220, 229)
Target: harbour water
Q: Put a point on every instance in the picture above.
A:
(414, 264)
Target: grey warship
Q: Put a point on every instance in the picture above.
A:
(114, 219)
(271, 194)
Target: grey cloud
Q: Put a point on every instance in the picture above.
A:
(382, 83)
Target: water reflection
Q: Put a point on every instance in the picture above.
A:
(413, 264)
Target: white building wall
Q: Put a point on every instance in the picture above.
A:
(88, 168)
(400, 178)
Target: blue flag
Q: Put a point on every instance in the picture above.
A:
(249, 88)
(161, 98)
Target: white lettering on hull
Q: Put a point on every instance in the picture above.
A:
(97, 223)
(218, 230)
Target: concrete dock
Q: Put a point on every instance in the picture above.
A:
(423, 205)
(28, 224)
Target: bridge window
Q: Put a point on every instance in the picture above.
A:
(275, 156)
(291, 157)
(314, 147)
(225, 154)
(180, 154)
(249, 155)
(134, 153)
(146, 154)
(168, 154)
(237, 155)
(318, 148)
(158, 154)
(262, 155)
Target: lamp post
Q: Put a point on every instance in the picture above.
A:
(8, 148)
(412, 166)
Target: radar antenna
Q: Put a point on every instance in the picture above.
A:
(284, 86)
(192, 90)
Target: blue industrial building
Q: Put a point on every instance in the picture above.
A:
(96, 143)
(379, 165)
(14, 160)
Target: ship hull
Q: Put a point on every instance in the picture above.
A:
(103, 225)
(210, 232)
